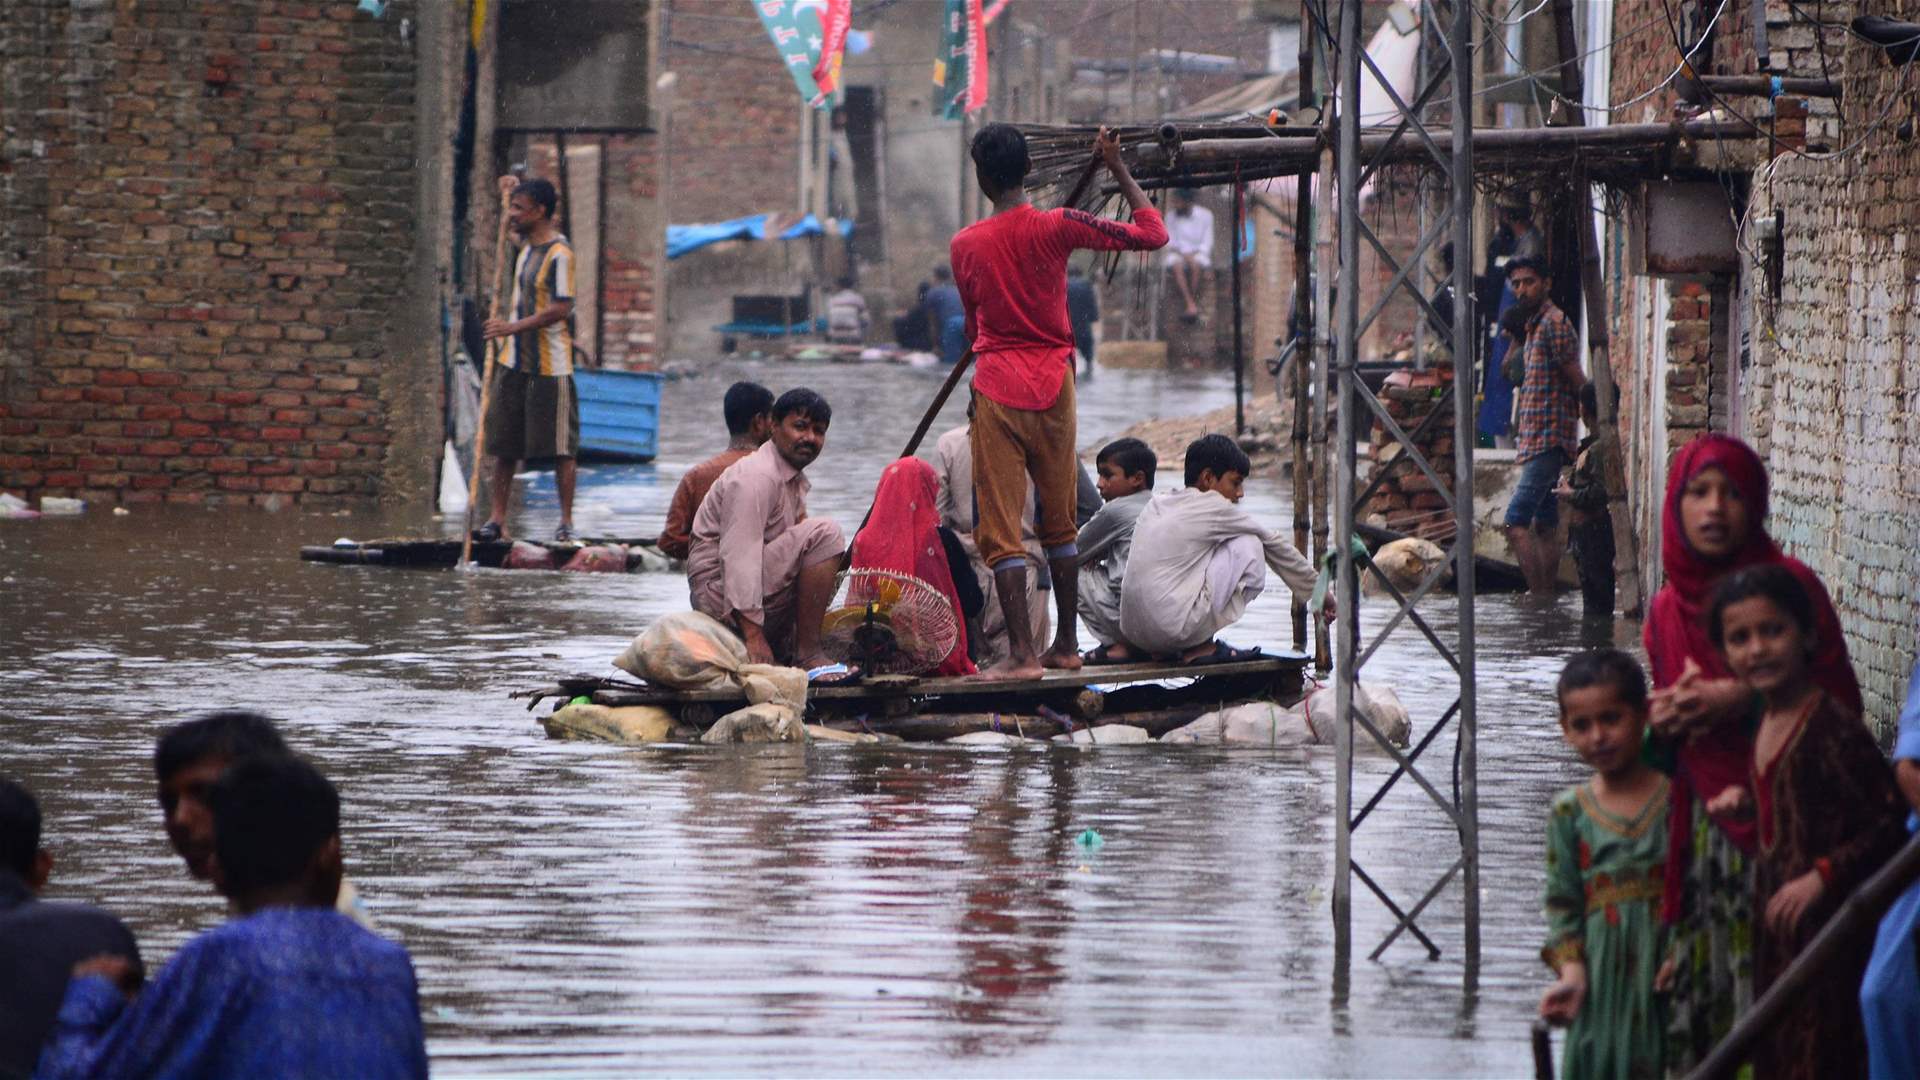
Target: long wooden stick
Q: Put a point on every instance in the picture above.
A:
(486, 380)
(1856, 916)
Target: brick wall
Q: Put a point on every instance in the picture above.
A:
(1836, 379)
(1828, 391)
(207, 217)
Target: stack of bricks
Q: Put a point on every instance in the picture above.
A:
(208, 216)
(1407, 500)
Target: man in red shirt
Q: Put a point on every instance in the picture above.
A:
(1011, 269)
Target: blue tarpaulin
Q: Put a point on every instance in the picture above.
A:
(682, 239)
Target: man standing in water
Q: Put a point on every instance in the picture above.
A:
(1545, 422)
(532, 413)
(1012, 273)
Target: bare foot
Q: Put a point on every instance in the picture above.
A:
(1058, 660)
(1007, 671)
(1205, 648)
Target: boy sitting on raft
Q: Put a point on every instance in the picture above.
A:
(1126, 468)
(1198, 560)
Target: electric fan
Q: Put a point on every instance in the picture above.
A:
(890, 624)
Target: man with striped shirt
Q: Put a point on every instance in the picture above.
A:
(532, 413)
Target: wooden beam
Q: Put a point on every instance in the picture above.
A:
(1763, 86)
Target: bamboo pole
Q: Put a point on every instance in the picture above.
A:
(1613, 474)
(1323, 214)
(486, 381)
(1302, 341)
(1212, 161)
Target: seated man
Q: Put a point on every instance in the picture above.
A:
(953, 461)
(188, 758)
(947, 316)
(748, 408)
(40, 941)
(758, 563)
(1198, 560)
(1126, 483)
(289, 987)
(1189, 248)
(847, 315)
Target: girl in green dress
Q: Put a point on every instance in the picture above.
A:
(1606, 856)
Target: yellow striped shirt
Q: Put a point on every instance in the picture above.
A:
(542, 277)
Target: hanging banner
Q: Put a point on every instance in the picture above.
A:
(826, 70)
(798, 30)
(961, 67)
(994, 11)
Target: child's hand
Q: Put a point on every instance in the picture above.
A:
(1789, 905)
(1733, 801)
(1562, 1001)
(1663, 979)
(1907, 772)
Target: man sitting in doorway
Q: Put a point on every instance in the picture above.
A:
(1189, 249)
(748, 408)
(1545, 424)
(758, 563)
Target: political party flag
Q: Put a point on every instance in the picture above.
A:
(837, 20)
(960, 69)
(798, 30)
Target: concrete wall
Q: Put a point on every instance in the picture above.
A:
(208, 216)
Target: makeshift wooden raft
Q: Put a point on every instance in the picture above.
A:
(442, 553)
(1156, 696)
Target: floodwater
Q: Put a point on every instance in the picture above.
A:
(586, 908)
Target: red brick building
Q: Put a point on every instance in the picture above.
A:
(210, 278)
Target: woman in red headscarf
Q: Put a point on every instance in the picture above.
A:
(1712, 525)
(903, 534)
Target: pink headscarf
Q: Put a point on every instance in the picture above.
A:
(902, 535)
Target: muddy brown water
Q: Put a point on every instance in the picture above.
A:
(581, 908)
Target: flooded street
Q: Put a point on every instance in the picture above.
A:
(587, 908)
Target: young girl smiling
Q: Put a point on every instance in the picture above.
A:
(1826, 809)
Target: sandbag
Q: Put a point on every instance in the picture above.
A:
(626, 724)
(1253, 723)
(771, 684)
(1406, 562)
(525, 556)
(685, 650)
(1105, 735)
(598, 559)
(756, 724)
(1380, 704)
(991, 738)
(817, 733)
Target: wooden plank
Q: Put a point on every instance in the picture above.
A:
(437, 552)
(880, 688)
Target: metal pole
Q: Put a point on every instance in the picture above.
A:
(1346, 350)
(1239, 341)
(1302, 332)
(1460, 46)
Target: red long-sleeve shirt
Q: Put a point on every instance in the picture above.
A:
(1011, 269)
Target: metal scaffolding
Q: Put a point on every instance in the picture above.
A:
(1448, 80)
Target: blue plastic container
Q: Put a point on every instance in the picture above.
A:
(619, 414)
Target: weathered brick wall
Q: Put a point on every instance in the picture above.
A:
(207, 215)
(735, 129)
(1827, 396)
(1835, 381)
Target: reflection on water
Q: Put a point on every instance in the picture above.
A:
(830, 909)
